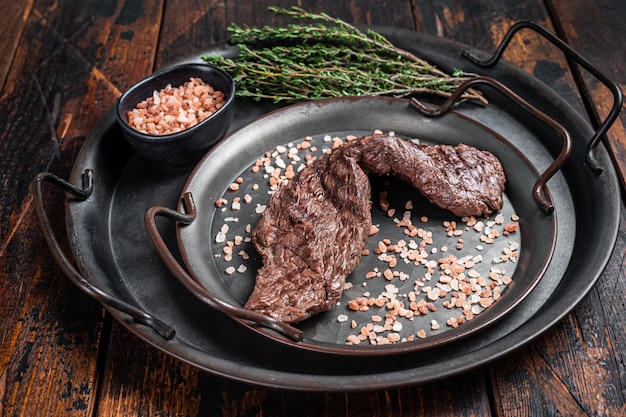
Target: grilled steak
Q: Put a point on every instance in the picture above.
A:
(311, 236)
(461, 179)
(314, 228)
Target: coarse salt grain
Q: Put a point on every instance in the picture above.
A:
(173, 109)
(342, 318)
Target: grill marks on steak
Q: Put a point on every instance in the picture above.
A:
(461, 179)
(311, 236)
(314, 228)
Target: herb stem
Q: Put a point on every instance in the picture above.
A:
(328, 58)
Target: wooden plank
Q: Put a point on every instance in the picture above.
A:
(141, 381)
(13, 15)
(51, 335)
(73, 58)
(596, 30)
(192, 27)
(482, 25)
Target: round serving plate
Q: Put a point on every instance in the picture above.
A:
(112, 249)
(308, 130)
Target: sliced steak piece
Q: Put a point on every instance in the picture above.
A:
(311, 236)
(314, 228)
(461, 179)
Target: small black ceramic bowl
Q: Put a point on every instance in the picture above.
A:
(186, 146)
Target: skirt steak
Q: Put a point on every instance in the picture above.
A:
(315, 226)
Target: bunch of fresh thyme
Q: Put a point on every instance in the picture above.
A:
(329, 59)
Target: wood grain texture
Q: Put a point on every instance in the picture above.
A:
(192, 27)
(140, 381)
(51, 332)
(483, 25)
(606, 49)
(13, 15)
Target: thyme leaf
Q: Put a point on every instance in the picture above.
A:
(327, 57)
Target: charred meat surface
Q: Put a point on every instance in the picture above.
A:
(314, 228)
(461, 179)
(311, 236)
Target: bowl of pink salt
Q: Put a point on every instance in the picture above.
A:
(177, 114)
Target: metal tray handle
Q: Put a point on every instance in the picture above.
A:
(68, 268)
(593, 162)
(540, 194)
(193, 284)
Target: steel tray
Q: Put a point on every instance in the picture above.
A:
(118, 265)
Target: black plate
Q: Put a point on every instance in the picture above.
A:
(122, 261)
(321, 121)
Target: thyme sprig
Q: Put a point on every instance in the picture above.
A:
(310, 61)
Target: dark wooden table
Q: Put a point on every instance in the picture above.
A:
(63, 64)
